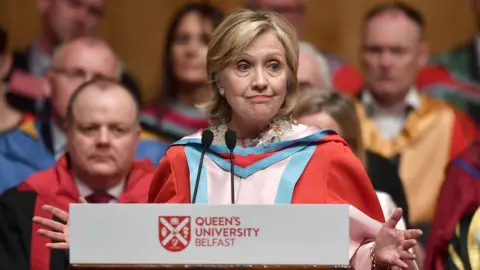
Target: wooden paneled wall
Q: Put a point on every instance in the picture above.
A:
(136, 28)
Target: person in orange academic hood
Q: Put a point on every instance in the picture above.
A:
(36, 144)
(252, 61)
(417, 133)
(102, 137)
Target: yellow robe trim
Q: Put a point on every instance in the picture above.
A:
(473, 243)
(424, 146)
(29, 128)
(150, 136)
(455, 257)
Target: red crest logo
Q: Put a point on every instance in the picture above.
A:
(174, 232)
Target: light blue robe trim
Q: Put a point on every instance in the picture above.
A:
(258, 150)
(292, 173)
(298, 145)
(193, 161)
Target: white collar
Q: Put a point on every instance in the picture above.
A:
(59, 141)
(412, 99)
(85, 191)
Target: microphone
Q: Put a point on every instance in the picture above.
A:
(207, 139)
(231, 141)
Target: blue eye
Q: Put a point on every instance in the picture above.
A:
(275, 66)
(242, 67)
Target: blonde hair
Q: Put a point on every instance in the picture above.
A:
(231, 39)
(341, 108)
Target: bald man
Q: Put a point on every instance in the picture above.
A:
(37, 143)
(313, 71)
(103, 133)
(61, 21)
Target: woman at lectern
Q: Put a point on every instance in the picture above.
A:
(252, 62)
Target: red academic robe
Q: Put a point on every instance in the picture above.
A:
(459, 196)
(342, 180)
(324, 171)
(20, 246)
(434, 127)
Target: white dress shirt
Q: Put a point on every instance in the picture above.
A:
(85, 191)
(390, 121)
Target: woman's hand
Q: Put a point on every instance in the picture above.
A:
(392, 245)
(58, 232)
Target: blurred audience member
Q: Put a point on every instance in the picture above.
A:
(185, 82)
(464, 246)
(36, 144)
(61, 21)
(459, 196)
(313, 70)
(102, 137)
(417, 133)
(455, 75)
(10, 118)
(331, 110)
(344, 77)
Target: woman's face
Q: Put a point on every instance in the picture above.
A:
(255, 84)
(322, 120)
(189, 48)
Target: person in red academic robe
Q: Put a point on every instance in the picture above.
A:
(464, 245)
(276, 160)
(253, 59)
(459, 196)
(102, 137)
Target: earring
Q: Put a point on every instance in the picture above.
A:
(221, 91)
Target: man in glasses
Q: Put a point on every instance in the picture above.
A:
(61, 21)
(37, 144)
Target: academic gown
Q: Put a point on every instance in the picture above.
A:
(435, 127)
(309, 166)
(28, 149)
(21, 248)
(459, 196)
(439, 81)
(464, 246)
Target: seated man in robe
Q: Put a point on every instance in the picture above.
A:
(36, 144)
(459, 196)
(102, 136)
(464, 246)
(60, 21)
(329, 109)
(419, 134)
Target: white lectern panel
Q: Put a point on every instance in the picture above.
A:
(209, 234)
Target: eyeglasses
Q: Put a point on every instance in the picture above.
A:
(78, 75)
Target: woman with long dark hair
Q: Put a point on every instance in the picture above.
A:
(185, 81)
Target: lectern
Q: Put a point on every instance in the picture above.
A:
(201, 236)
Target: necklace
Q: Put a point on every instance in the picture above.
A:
(277, 128)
